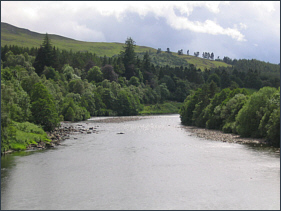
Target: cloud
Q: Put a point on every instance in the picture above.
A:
(119, 10)
(220, 27)
(209, 27)
(167, 10)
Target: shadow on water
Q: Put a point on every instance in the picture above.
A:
(263, 148)
(9, 160)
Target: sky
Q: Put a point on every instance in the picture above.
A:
(236, 29)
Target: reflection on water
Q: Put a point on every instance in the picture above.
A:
(153, 164)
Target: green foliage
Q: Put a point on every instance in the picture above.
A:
(269, 126)
(73, 111)
(15, 103)
(69, 116)
(182, 90)
(88, 101)
(95, 75)
(214, 77)
(167, 107)
(51, 73)
(273, 128)
(43, 108)
(109, 73)
(75, 85)
(230, 110)
(213, 112)
(127, 104)
(234, 111)
(164, 92)
(134, 81)
(23, 134)
(169, 83)
(129, 58)
(68, 71)
(45, 56)
(250, 115)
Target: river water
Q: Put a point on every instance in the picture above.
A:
(155, 164)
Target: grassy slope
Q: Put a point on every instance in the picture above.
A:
(202, 63)
(11, 35)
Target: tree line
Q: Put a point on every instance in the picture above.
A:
(42, 86)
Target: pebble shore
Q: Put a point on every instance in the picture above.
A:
(218, 135)
(62, 133)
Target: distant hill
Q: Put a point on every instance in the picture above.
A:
(11, 35)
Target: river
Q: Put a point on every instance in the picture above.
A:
(154, 164)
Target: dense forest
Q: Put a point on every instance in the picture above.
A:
(42, 86)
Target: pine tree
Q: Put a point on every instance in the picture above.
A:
(45, 56)
(129, 58)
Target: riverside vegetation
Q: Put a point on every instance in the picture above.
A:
(40, 87)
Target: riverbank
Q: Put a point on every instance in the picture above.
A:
(59, 134)
(218, 135)
(65, 130)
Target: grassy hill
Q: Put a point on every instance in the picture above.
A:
(11, 35)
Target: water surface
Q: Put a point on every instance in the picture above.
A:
(155, 164)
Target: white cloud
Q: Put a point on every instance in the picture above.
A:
(209, 27)
(119, 9)
(166, 10)
(154, 23)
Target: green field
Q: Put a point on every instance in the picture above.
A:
(11, 35)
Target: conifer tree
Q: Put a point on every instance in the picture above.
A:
(45, 56)
(129, 58)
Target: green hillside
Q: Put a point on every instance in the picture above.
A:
(202, 63)
(11, 35)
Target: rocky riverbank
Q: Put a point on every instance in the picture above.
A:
(217, 135)
(62, 133)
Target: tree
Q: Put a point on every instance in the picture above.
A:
(165, 93)
(89, 65)
(212, 56)
(134, 81)
(230, 110)
(68, 71)
(69, 116)
(182, 90)
(158, 50)
(249, 117)
(196, 54)
(169, 83)
(76, 86)
(214, 77)
(51, 73)
(95, 74)
(108, 73)
(129, 58)
(43, 108)
(45, 56)
(180, 52)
